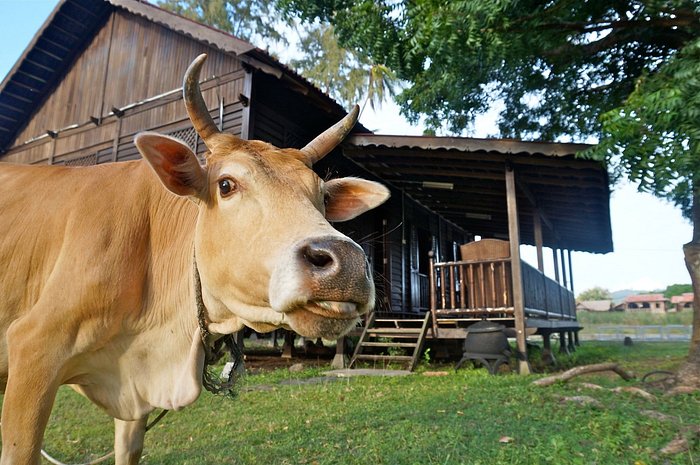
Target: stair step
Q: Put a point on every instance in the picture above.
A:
(389, 344)
(390, 358)
(405, 331)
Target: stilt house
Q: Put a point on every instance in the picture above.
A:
(99, 71)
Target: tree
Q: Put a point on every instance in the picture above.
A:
(625, 71)
(555, 64)
(256, 21)
(341, 73)
(346, 76)
(594, 293)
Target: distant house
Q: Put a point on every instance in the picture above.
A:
(653, 303)
(595, 305)
(682, 302)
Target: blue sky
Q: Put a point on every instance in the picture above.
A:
(648, 233)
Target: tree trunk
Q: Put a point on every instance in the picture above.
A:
(689, 373)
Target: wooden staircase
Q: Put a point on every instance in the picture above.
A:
(388, 341)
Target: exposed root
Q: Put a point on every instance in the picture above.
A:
(678, 390)
(636, 391)
(577, 371)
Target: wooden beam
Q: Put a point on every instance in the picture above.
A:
(538, 240)
(533, 201)
(115, 143)
(571, 272)
(563, 268)
(106, 70)
(246, 122)
(53, 150)
(516, 271)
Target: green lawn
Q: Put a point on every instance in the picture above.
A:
(466, 417)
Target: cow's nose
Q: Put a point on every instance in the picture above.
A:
(332, 258)
(319, 255)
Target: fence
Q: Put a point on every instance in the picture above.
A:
(646, 333)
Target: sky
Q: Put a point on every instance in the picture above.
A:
(648, 233)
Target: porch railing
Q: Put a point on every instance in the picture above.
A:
(484, 288)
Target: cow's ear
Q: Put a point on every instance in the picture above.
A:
(174, 163)
(347, 198)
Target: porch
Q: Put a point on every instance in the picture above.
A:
(463, 265)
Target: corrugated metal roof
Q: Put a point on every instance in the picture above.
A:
(466, 144)
(463, 179)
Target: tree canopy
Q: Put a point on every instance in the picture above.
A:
(594, 293)
(257, 21)
(342, 73)
(555, 65)
(677, 289)
(655, 133)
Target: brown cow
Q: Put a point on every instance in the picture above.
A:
(98, 286)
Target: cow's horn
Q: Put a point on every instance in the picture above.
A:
(331, 137)
(196, 108)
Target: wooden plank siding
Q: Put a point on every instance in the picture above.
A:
(113, 72)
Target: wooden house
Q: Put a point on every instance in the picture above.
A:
(99, 71)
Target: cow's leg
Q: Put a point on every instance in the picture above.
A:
(35, 358)
(128, 441)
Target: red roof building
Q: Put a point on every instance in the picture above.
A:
(682, 302)
(654, 303)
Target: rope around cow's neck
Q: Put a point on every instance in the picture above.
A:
(225, 382)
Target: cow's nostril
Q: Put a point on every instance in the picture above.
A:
(318, 257)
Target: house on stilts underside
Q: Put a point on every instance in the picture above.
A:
(98, 72)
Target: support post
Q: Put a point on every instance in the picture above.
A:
(547, 354)
(563, 268)
(516, 271)
(340, 360)
(563, 346)
(433, 290)
(572, 344)
(288, 347)
(538, 240)
(246, 121)
(555, 253)
(571, 272)
(53, 150)
(117, 135)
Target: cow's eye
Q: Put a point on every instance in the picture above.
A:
(227, 186)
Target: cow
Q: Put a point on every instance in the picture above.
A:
(102, 267)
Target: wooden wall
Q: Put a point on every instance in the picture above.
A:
(129, 61)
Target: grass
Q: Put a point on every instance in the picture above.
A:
(467, 417)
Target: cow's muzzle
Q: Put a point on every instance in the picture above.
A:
(336, 270)
(323, 286)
